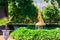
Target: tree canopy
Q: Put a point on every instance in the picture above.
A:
(51, 14)
(23, 11)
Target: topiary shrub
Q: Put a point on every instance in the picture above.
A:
(23, 33)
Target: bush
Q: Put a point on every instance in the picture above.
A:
(23, 33)
(5, 21)
(51, 14)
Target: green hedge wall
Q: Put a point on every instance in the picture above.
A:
(23, 33)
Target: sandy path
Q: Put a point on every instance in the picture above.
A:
(1, 38)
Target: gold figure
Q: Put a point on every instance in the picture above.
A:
(40, 22)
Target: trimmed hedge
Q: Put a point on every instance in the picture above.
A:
(23, 33)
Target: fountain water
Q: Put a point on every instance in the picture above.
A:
(39, 4)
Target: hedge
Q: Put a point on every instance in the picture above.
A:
(23, 33)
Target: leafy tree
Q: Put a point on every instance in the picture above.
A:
(51, 13)
(58, 2)
(46, 0)
(54, 2)
(23, 10)
(3, 4)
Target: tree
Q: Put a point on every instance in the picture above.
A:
(53, 2)
(23, 10)
(50, 13)
(58, 2)
(46, 0)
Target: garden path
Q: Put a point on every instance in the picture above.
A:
(1, 38)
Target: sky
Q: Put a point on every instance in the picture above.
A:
(41, 3)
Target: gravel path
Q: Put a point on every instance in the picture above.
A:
(1, 38)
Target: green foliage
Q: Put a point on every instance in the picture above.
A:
(53, 2)
(2, 1)
(51, 13)
(23, 33)
(2, 4)
(46, 0)
(5, 21)
(23, 10)
(58, 2)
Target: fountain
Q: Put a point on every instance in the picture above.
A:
(40, 22)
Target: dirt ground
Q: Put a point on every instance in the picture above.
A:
(1, 38)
